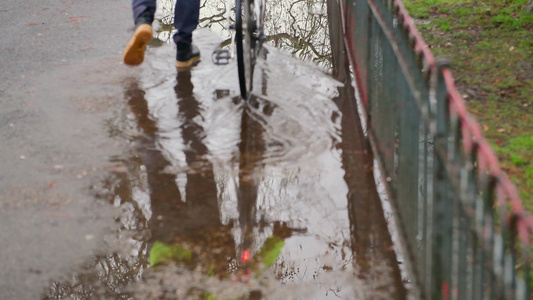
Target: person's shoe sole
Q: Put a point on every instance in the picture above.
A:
(134, 52)
(187, 63)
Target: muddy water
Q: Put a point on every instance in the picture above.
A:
(224, 178)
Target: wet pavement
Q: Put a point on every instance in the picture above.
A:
(102, 162)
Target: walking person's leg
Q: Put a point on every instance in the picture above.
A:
(186, 16)
(143, 14)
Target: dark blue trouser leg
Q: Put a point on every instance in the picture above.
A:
(140, 6)
(186, 15)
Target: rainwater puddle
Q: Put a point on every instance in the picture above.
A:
(270, 199)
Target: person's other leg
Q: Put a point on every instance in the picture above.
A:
(143, 14)
(186, 16)
(143, 11)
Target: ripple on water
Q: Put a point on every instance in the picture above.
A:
(219, 176)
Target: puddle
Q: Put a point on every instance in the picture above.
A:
(270, 199)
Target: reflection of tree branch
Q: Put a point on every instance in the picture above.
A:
(294, 19)
(213, 17)
(305, 33)
(299, 42)
(167, 20)
(225, 43)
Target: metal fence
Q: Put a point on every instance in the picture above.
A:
(465, 232)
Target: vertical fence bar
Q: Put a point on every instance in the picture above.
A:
(428, 223)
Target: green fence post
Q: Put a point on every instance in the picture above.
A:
(460, 242)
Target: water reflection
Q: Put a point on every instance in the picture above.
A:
(299, 27)
(219, 177)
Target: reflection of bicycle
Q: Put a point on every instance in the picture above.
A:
(249, 38)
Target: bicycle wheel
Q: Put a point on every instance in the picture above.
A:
(245, 27)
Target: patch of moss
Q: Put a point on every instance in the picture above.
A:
(161, 253)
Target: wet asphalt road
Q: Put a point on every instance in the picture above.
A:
(59, 80)
(97, 156)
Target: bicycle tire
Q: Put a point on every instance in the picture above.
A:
(245, 44)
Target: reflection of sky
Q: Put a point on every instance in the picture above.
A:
(300, 27)
(303, 24)
(301, 181)
(313, 198)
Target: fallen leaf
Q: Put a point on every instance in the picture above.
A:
(120, 169)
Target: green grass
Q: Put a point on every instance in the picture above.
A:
(501, 14)
(425, 8)
(490, 43)
(518, 154)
